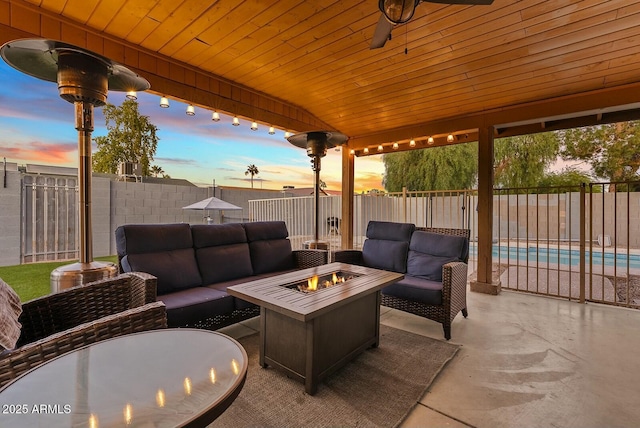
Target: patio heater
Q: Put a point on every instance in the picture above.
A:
(84, 79)
(317, 143)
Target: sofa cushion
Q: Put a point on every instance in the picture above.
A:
(385, 255)
(222, 252)
(386, 245)
(264, 230)
(152, 238)
(427, 266)
(195, 304)
(271, 256)
(224, 262)
(211, 235)
(390, 231)
(175, 269)
(269, 247)
(438, 244)
(416, 289)
(428, 252)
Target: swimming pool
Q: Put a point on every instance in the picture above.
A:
(562, 256)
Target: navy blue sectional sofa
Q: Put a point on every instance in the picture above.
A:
(194, 265)
(434, 261)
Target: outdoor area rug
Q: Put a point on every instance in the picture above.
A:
(377, 389)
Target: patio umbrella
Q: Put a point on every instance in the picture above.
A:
(212, 203)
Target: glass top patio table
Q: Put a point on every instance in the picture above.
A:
(160, 378)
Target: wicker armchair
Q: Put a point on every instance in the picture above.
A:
(454, 290)
(60, 322)
(454, 284)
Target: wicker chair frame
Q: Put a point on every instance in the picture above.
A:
(454, 286)
(61, 322)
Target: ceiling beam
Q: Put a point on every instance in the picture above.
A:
(575, 122)
(538, 112)
(423, 143)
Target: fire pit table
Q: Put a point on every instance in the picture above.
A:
(314, 321)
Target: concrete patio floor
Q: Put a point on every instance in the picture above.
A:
(528, 361)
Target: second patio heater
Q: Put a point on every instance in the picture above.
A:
(84, 79)
(317, 143)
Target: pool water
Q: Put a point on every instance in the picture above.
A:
(562, 256)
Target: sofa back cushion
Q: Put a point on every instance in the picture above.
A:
(387, 245)
(428, 252)
(163, 250)
(222, 252)
(269, 247)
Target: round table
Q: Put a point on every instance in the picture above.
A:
(158, 378)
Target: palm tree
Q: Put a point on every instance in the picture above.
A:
(253, 170)
(157, 170)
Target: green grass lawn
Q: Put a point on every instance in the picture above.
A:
(33, 279)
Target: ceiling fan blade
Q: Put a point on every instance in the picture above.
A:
(464, 2)
(382, 33)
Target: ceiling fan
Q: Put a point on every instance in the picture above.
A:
(396, 12)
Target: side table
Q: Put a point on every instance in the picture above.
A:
(160, 378)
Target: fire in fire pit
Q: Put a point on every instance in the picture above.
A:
(318, 283)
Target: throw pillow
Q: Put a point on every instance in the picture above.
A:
(10, 310)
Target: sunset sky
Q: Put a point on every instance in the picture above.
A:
(37, 127)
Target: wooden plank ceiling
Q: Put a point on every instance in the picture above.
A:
(461, 61)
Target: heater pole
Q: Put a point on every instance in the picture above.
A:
(84, 126)
(316, 143)
(315, 161)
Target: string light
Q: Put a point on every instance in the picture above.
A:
(430, 140)
(235, 122)
(272, 130)
(191, 111)
(450, 138)
(395, 146)
(164, 102)
(215, 116)
(254, 126)
(412, 143)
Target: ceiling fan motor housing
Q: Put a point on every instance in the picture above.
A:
(398, 11)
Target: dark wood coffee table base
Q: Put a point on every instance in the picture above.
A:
(312, 350)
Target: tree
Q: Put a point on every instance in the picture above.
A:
(131, 137)
(253, 170)
(565, 181)
(522, 161)
(157, 171)
(612, 150)
(452, 167)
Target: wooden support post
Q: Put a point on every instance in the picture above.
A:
(348, 177)
(484, 282)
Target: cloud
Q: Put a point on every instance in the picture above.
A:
(175, 161)
(60, 153)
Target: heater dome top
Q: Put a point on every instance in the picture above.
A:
(327, 139)
(39, 58)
